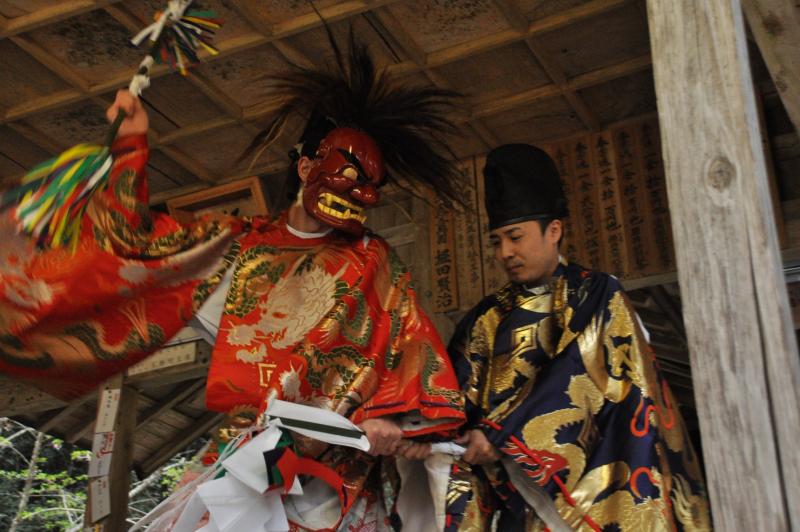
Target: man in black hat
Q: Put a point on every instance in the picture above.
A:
(570, 424)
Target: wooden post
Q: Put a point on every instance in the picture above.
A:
(108, 489)
(744, 355)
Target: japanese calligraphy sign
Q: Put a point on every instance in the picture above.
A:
(443, 263)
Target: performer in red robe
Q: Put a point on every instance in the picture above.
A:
(317, 310)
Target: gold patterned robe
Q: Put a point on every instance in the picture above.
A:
(565, 385)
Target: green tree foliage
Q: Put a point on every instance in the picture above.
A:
(57, 495)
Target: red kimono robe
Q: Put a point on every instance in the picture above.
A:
(330, 321)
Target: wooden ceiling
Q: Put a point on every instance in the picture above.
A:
(533, 70)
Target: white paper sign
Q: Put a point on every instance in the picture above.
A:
(101, 498)
(107, 410)
(102, 447)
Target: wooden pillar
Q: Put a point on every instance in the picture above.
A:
(107, 503)
(743, 352)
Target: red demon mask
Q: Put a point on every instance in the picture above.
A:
(344, 179)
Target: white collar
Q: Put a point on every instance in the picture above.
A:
(303, 234)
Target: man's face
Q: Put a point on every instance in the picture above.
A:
(528, 256)
(343, 179)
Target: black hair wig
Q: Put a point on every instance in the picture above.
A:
(409, 124)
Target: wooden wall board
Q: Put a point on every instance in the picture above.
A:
(502, 72)
(600, 41)
(641, 248)
(622, 98)
(245, 196)
(444, 275)
(608, 198)
(571, 246)
(22, 77)
(589, 218)
(657, 202)
(95, 45)
(468, 254)
(82, 122)
(494, 276)
(465, 21)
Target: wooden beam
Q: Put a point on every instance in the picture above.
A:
(119, 473)
(250, 40)
(538, 27)
(517, 19)
(187, 162)
(187, 390)
(399, 40)
(208, 421)
(49, 15)
(595, 77)
(776, 27)
(53, 420)
(35, 136)
(480, 109)
(745, 363)
(227, 48)
(54, 64)
(17, 397)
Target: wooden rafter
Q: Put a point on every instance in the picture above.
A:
(52, 420)
(250, 40)
(236, 116)
(37, 137)
(49, 15)
(185, 391)
(535, 28)
(384, 23)
(595, 77)
(517, 19)
(480, 109)
(55, 65)
(200, 427)
(227, 48)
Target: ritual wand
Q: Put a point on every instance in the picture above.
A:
(51, 199)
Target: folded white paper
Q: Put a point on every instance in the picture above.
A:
(448, 447)
(322, 425)
(247, 463)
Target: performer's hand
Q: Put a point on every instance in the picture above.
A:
(136, 121)
(479, 450)
(384, 435)
(414, 451)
